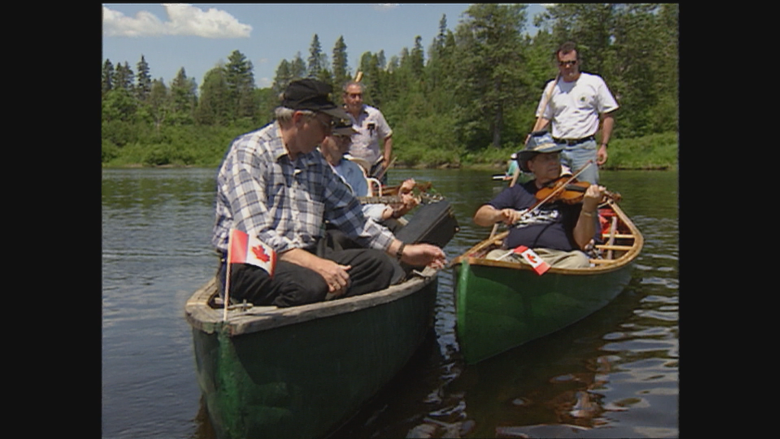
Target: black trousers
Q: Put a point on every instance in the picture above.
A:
(293, 285)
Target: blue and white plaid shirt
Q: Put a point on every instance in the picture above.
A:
(285, 203)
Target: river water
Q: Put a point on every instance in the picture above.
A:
(614, 374)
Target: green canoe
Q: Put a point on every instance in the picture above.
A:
(501, 305)
(302, 372)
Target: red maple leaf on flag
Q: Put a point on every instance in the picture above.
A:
(260, 253)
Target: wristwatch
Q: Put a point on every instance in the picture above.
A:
(400, 252)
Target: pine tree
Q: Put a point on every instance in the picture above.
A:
(123, 77)
(297, 67)
(107, 77)
(317, 60)
(184, 98)
(283, 77)
(340, 67)
(417, 58)
(143, 80)
(240, 82)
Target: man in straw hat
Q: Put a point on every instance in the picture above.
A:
(275, 186)
(556, 231)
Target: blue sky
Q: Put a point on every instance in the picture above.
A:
(199, 36)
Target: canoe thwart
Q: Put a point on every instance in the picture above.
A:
(614, 247)
(618, 236)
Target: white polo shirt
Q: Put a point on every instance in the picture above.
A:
(371, 128)
(574, 107)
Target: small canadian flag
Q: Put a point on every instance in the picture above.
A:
(532, 258)
(246, 249)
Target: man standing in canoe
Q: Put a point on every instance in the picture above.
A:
(274, 185)
(577, 102)
(372, 131)
(557, 231)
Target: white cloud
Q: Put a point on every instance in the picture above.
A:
(183, 19)
(385, 6)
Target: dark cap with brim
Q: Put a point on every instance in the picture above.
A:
(311, 94)
(540, 142)
(344, 129)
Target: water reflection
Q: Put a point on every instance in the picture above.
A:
(614, 374)
(581, 382)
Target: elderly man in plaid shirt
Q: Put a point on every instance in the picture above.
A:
(275, 185)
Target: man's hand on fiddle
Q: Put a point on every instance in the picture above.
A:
(592, 198)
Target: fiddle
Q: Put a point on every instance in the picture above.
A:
(569, 190)
(565, 188)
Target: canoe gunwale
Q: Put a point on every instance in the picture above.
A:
(201, 316)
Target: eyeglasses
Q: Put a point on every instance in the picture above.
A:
(567, 63)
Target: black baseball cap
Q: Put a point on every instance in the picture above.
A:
(344, 128)
(311, 94)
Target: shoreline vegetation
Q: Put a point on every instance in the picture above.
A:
(651, 152)
(466, 99)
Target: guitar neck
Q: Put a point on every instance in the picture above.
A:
(396, 199)
(380, 200)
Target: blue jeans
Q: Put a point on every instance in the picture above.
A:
(576, 156)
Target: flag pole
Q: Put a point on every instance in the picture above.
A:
(227, 291)
(227, 275)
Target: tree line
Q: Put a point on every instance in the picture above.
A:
(473, 92)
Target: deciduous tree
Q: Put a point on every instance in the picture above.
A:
(491, 78)
(213, 105)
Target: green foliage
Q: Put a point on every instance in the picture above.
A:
(654, 151)
(470, 101)
(108, 151)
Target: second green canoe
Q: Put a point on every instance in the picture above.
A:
(501, 305)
